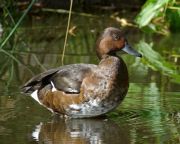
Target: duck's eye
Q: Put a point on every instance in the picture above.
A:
(116, 36)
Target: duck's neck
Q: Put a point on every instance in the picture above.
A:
(109, 62)
(114, 67)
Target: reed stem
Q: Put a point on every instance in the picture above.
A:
(67, 31)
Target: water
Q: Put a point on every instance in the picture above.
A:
(150, 112)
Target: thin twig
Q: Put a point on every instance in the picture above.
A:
(173, 8)
(67, 12)
(67, 30)
(38, 62)
(12, 19)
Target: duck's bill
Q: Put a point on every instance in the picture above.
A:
(128, 49)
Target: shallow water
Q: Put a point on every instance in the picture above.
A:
(150, 113)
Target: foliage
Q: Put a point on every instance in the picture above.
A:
(156, 15)
(12, 31)
(173, 17)
(155, 61)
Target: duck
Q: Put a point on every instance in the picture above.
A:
(86, 90)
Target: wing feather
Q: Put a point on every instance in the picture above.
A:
(66, 78)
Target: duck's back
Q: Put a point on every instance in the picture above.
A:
(66, 78)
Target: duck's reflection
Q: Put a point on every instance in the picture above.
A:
(80, 131)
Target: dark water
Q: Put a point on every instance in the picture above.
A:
(150, 112)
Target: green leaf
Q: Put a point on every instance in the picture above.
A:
(155, 61)
(151, 9)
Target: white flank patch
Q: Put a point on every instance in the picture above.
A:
(75, 134)
(94, 102)
(34, 95)
(35, 133)
(87, 106)
(53, 87)
(75, 106)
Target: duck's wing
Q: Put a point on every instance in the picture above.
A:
(66, 78)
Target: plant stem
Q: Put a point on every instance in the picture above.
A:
(173, 8)
(67, 30)
(62, 11)
(17, 24)
(12, 32)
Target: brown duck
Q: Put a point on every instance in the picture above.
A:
(86, 90)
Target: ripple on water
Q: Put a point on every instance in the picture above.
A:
(153, 116)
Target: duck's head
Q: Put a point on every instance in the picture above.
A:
(111, 41)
